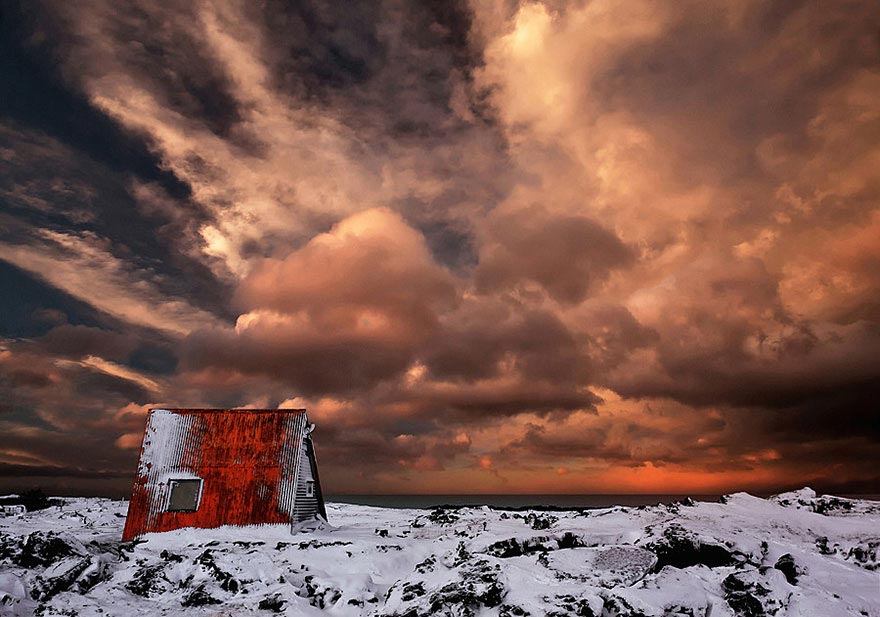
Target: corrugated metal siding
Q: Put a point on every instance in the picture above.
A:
(306, 506)
(248, 461)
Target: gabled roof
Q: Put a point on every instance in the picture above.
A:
(193, 410)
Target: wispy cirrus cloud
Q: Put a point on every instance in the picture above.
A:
(84, 266)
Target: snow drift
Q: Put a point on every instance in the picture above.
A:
(794, 554)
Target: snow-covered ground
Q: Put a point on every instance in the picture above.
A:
(794, 554)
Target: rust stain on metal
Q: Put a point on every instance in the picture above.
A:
(249, 462)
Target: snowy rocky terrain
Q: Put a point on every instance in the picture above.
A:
(794, 554)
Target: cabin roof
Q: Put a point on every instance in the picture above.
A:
(208, 410)
(248, 462)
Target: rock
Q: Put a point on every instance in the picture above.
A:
(540, 522)
(827, 505)
(824, 549)
(318, 593)
(96, 572)
(787, 566)
(318, 544)
(865, 556)
(274, 603)
(567, 605)
(456, 557)
(59, 577)
(39, 548)
(681, 549)
(479, 586)
(628, 563)
(743, 597)
(226, 580)
(750, 595)
(427, 565)
(441, 516)
(800, 496)
(199, 597)
(605, 567)
(171, 557)
(513, 547)
(568, 540)
(411, 591)
(830, 506)
(511, 610)
(148, 580)
(615, 606)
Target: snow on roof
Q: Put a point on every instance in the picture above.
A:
(194, 410)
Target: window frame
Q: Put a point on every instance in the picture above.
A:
(172, 482)
(310, 488)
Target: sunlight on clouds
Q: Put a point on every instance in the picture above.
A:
(116, 370)
(282, 189)
(83, 266)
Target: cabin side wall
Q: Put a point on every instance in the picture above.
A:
(307, 505)
(313, 459)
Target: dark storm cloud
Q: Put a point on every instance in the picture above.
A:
(345, 367)
(536, 398)
(833, 413)
(566, 255)
(317, 49)
(32, 307)
(612, 334)
(479, 335)
(66, 419)
(395, 62)
(367, 449)
(727, 338)
(568, 246)
(78, 341)
(43, 100)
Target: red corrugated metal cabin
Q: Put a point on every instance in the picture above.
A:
(212, 467)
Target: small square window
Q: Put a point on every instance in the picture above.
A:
(310, 488)
(184, 495)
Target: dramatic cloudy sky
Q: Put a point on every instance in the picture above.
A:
(492, 247)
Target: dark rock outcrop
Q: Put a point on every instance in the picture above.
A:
(788, 567)
(39, 549)
(513, 547)
(681, 549)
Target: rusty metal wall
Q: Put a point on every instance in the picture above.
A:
(247, 459)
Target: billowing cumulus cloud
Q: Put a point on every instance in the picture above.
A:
(347, 310)
(532, 246)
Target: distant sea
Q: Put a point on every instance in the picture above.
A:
(513, 502)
